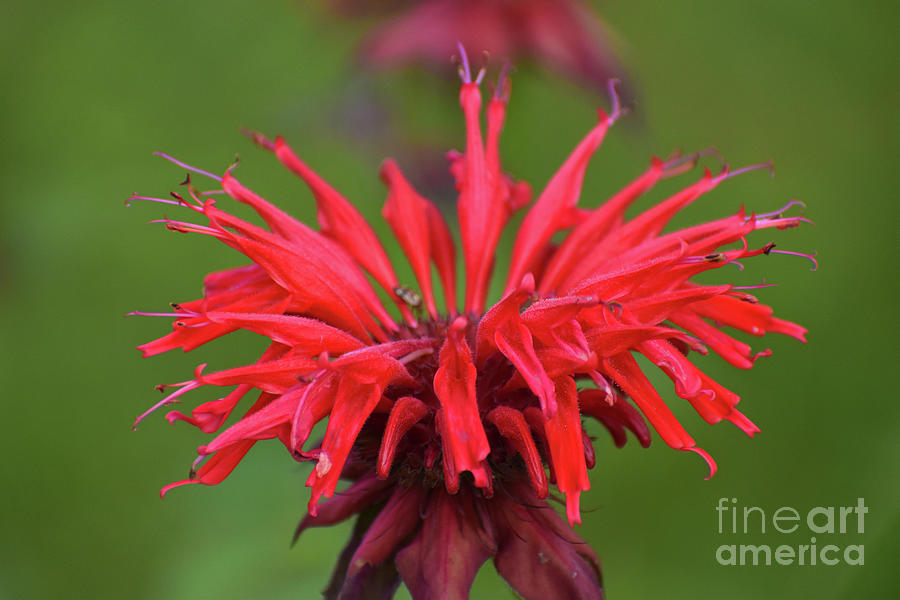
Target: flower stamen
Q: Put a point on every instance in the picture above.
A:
(187, 166)
(465, 72)
(616, 109)
(810, 257)
(170, 399)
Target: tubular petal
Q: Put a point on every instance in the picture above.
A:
(755, 319)
(406, 412)
(454, 385)
(316, 252)
(593, 229)
(342, 222)
(407, 213)
(474, 204)
(615, 417)
(512, 426)
(713, 467)
(563, 432)
(554, 208)
(737, 353)
(261, 424)
(624, 370)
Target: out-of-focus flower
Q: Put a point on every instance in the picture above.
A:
(451, 423)
(563, 35)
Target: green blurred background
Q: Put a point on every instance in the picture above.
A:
(91, 88)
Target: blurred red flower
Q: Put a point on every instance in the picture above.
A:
(564, 35)
(445, 419)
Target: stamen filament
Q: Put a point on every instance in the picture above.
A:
(187, 166)
(806, 256)
(464, 71)
(171, 398)
(726, 174)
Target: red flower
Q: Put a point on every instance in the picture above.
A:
(564, 35)
(445, 419)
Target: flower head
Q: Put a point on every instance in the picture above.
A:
(563, 35)
(453, 421)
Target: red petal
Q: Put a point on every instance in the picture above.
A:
(406, 412)
(511, 425)
(502, 329)
(616, 417)
(258, 425)
(256, 294)
(553, 323)
(563, 432)
(209, 416)
(313, 403)
(307, 336)
(737, 353)
(601, 221)
(222, 463)
(341, 221)
(624, 370)
(673, 363)
(313, 247)
(226, 458)
(353, 404)
(622, 282)
(273, 376)
(654, 309)
(486, 197)
(609, 341)
(307, 276)
(536, 420)
(277, 220)
(462, 434)
(516, 344)
(649, 223)
(755, 319)
(554, 208)
(363, 376)
(505, 311)
(407, 214)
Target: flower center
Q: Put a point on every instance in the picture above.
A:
(419, 453)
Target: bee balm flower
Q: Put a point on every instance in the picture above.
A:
(566, 36)
(452, 422)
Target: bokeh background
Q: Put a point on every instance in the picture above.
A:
(91, 88)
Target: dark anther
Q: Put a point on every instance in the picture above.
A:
(744, 297)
